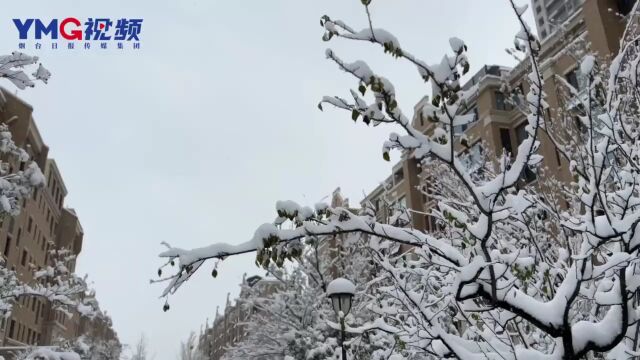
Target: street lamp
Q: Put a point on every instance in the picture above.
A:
(341, 292)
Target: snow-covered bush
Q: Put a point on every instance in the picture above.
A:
(66, 291)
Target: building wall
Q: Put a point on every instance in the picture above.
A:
(25, 240)
(229, 328)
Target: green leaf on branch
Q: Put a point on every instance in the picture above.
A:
(465, 68)
(385, 156)
(354, 115)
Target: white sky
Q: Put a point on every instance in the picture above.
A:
(193, 138)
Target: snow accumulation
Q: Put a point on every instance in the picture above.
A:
(456, 44)
(341, 286)
(48, 354)
(587, 64)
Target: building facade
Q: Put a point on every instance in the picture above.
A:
(229, 328)
(549, 14)
(500, 125)
(44, 224)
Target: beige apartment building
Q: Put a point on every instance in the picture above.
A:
(500, 125)
(229, 328)
(43, 224)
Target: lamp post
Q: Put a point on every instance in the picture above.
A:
(341, 292)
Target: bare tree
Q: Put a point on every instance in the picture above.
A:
(189, 349)
(140, 350)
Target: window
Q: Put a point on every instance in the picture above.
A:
(398, 176)
(23, 260)
(18, 237)
(402, 202)
(625, 6)
(7, 246)
(501, 102)
(12, 328)
(543, 33)
(517, 94)
(505, 139)
(541, 21)
(459, 129)
(30, 224)
(574, 79)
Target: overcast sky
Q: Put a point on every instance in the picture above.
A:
(194, 137)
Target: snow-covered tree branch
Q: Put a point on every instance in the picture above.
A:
(541, 272)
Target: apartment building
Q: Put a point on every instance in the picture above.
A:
(500, 125)
(43, 224)
(550, 14)
(229, 328)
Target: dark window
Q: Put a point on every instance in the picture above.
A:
(505, 139)
(625, 6)
(543, 34)
(501, 102)
(398, 176)
(12, 328)
(23, 260)
(30, 224)
(7, 246)
(572, 78)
